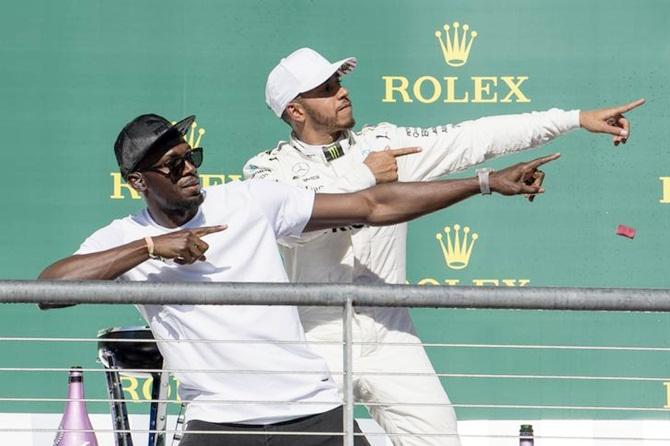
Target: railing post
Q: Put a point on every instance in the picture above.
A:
(348, 381)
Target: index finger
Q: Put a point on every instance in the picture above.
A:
(537, 162)
(404, 151)
(630, 106)
(204, 230)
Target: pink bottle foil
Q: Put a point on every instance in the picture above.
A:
(75, 427)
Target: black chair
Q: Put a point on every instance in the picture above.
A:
(118, 352)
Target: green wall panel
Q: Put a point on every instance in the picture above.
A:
(74, 72)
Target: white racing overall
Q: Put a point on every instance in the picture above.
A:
(369, 255)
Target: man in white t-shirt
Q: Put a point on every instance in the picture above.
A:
(228, 233)
(324, 154)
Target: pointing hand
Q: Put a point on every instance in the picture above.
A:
(383, 164)
(610, 120)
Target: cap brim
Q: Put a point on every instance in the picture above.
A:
(344, 66)
(183, 125)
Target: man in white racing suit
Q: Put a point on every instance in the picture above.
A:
(323, 154)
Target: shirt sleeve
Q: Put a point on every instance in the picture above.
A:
(101, 240)
(358, 177)
(451, 148)
(267, 166)
(287, 208)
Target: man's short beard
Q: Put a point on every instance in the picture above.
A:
(329, 122)
(350, 124)
(191, 204)
(184, 206)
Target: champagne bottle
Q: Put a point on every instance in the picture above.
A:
(75, 428)
(526, 435)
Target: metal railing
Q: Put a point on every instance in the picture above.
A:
(143, 293)
(343, 295)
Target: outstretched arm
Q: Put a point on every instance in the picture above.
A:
(393, 203)
(448, 149)
(185, 246)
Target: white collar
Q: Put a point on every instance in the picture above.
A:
(345, 141)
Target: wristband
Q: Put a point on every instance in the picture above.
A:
(150, 249)
(483, 177)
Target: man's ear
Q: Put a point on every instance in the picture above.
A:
(295, 112)
(136, 181)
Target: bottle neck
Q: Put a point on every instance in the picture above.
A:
(75, 415)
(75, 388)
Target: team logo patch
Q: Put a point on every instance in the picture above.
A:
(300, 169)
(333, 152)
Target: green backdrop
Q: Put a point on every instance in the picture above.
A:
(74, 72)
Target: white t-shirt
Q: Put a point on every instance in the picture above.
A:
(257, 214)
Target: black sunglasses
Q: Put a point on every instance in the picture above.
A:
(175, 166)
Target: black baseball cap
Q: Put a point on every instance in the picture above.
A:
(143, 134)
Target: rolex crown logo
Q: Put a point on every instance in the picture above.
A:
(458, 250)
(456, 46)
(193, 137)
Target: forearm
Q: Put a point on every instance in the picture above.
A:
(503, 134)
(393, 203)
(472, 142)
(103, 265)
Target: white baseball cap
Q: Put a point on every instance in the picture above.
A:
(299, 72)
